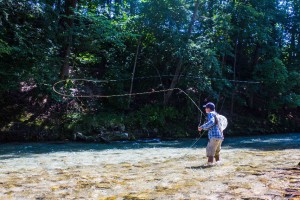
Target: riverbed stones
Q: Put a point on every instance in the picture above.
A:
(150, 173)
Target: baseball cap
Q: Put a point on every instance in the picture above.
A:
(210, 105)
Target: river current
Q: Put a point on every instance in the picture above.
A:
(252, 167)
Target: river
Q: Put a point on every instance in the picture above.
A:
(253, 167)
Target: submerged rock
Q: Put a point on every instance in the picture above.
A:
(115, 136)
(102, 137)
(83, 138)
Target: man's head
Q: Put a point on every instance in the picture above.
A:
(209, 107)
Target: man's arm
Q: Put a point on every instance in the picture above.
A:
(210, 123)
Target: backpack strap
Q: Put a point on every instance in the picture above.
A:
(217, 122)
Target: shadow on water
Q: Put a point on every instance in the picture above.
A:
(267, 142)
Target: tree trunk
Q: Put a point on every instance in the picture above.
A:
(68, 22)
(197, 3)
(132, 7)
(117, 7)
(298, 48)
(180, 61)
(108, 2)
(64, 73)
(292, 49)
(174, 81)
(234, 73)
(134, 68)
(58, 6)
(256, 55)
(254, 63)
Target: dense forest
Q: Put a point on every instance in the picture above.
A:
(243, 55)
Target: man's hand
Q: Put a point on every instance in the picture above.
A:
(199, 129)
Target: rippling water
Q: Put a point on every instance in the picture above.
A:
(271, 142)
(149, 169)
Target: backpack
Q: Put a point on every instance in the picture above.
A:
(221, 122)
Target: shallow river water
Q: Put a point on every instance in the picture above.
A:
(258, 167)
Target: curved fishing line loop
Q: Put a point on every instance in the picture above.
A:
(117, 95)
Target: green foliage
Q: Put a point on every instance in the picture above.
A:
(273, 75)
(241, 40)
(88, 123)
(4, 48)
(150, 117)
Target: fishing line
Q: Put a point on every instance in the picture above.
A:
(170, 76)
(139, 93)
(118, 95)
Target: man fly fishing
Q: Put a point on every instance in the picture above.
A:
(215, 134)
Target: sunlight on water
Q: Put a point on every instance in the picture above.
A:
(251, 168)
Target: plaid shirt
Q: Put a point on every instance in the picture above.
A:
(213, 129)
